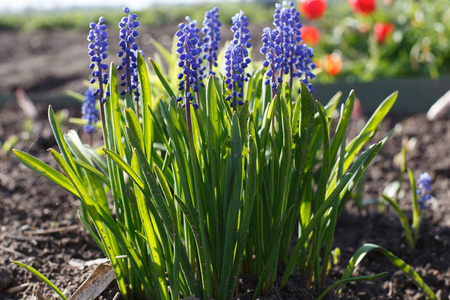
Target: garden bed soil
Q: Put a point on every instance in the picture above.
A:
(29, 204)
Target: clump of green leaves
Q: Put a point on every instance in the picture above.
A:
(185, 187)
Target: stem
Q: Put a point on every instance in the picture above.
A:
(102, 113)
(188, 101)
(273, 81)
(234, 96)
(233, 71)
(273, 97)
(210, 50)
(137, 108)
(291, 78)
(282, 52)
(100, 86)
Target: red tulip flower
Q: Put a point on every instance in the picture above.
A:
(333, 64)
(362, 6)
(313, 9)
(382, 30)
(310, 35)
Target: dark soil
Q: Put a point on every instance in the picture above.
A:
(50, 61)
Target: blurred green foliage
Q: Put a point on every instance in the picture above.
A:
(419, 45)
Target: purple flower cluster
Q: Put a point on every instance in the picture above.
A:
(211, 39)
(284, 50)
(128, 34)
(287, 24)
(272, 52)
(237, 59)
(424, 189)
(304, 65)
(90, 113)
(189, 49)
(98, 39)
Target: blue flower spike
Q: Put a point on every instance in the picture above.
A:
(89, 111)
(237, 60)
(129, 52)
(189, 50)
(272, 51)
(424, 189)
(284, 50)
(98, 46)
(211, 39)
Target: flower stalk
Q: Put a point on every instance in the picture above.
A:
(129, 51)
(98, 46)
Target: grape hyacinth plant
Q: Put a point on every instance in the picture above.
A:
(237, 60)
(421, 194)
(129, 51)
(171, 197)
(211, 39)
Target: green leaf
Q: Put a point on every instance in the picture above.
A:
(157, 267)
(324, 173)
(146, 102)
(250, 191)
(399, 263)
(332, 104)
(43, 169)
(403, 220)
(307, 117)
(82, 155)
(369, 129)
(42, 277)
(341, 128)
(162, 78)
(265, 127)
(134, 125)
(114, 115)
(165, 53)
(91, 232)
(162, 209)
(233, 190)
(159, 127)
(345, 186)
(60, 138)
(98, 159)
(125, 167)
(358, 278)
(101, 218)
(93, 170)
(417, 212)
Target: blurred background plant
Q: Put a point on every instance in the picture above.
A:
(382, 39)
(420, 195)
